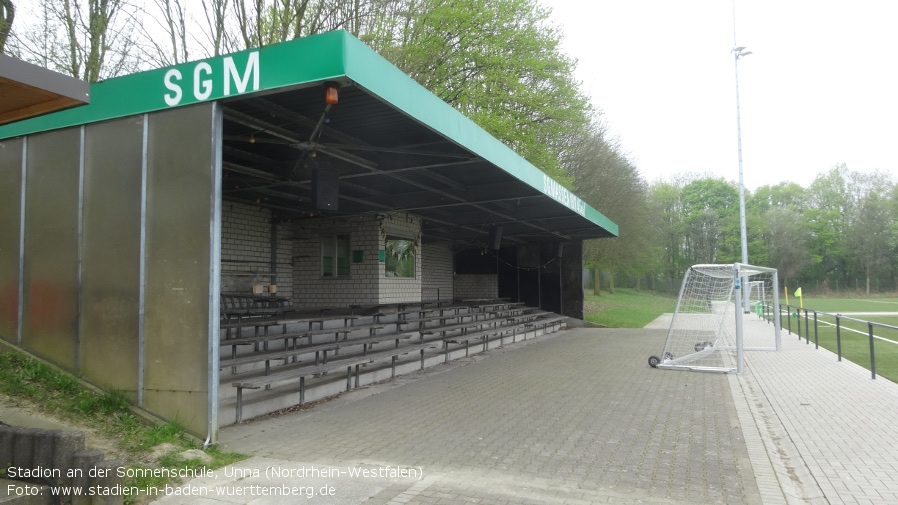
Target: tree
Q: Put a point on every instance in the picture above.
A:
(829, 205)
(846, 212)
(778, 236)
(710, 218)
(215, 12)
(90, 40)
(265, 22)
(786, 240)
(667, 226)
(499, 63)
(782, 195)
(893, 239)
(782, 237)
(226, 26)
(174, 48)
(7, 15)
(869, 239)
(606, 179)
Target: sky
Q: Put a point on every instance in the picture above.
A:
(819, 89)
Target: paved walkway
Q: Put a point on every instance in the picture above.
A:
(577, 418)
(830, 431)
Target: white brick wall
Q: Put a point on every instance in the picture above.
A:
(436, 271)
(366, 284)
(246, 249)
(316, 290)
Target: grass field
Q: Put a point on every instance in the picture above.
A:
(855, 339)
(627, 308)
(838, 305)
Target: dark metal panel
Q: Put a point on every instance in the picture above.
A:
(10, 234)
(529, 263)
(572, 279)
(474, 261)
(110, 311)
(550, 277)
(50, 309)
(508, 273)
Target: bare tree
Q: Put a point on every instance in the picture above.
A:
(265, 22)
(248, 20)
(215, 12)
(172, 20)
(90, 40)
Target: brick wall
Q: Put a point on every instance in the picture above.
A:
(436, 271)
(246, 250)
(316, 290)
(366, 283)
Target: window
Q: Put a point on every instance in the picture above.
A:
(400, 257)
(335, 256)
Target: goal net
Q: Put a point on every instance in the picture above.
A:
(722, 311)
(757, 297)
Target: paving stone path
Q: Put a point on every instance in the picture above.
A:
(577, 417)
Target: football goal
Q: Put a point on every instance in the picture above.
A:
(709, 330)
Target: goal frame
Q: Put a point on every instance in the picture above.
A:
(739, 290)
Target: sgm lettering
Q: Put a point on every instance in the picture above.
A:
(203, 87)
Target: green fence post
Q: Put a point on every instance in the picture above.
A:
(816, 342)
(872, 357)
(838, 337)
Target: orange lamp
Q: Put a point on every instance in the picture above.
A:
(332, 93)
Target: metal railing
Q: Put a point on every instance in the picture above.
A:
(839, 323)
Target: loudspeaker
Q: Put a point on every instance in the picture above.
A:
(495, 237)
(560, 249)
(325, 189)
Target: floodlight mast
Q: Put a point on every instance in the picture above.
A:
(738, 53)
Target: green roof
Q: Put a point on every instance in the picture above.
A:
(294, 64)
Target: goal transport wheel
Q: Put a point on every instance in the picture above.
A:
(654, 361)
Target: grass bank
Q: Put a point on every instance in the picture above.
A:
(60, 396)
(627, 308)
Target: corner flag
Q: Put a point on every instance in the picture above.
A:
(800, 299)
(798, 292)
